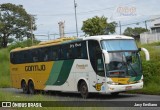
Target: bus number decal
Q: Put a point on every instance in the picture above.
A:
(98, 86)
(75, 45)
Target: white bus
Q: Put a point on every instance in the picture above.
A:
(107, 64)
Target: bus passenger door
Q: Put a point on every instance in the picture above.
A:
(100, 86)
(97, 79)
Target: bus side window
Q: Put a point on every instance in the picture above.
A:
(81, 51)
(29, 56)
(67, 52)
(19, 57)
(35, 55)
(55, 54)
(63, 52)
(45, 54)
(12, 58)
(84, 50)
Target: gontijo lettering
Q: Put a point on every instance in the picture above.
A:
(35, 68)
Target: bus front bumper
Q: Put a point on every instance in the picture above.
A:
(120, 88)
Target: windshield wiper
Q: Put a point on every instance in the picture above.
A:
(128, 64)
(133, 69)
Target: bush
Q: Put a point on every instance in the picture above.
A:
(151, 71)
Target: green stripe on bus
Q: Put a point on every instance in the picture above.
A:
(138, 78)
(132, 79)
(65, 71)
(54, 72)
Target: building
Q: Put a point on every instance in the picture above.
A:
(155, 24)
(154, 34)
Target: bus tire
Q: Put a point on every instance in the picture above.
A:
(83, 89)
(24, 87)
(31, 87)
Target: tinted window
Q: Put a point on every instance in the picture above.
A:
(76, 50)
(96, 58)
(53, 53)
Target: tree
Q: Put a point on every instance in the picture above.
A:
(134, 32)
(98, 26)
(16, 22)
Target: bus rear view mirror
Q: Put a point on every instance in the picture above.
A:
(146, 54)
(106, 55)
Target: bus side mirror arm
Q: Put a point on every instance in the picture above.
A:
(106, 55)
(146, 53)
(139, 49)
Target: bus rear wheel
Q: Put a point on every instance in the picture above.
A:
(24, 87)
(31, 87)
(84, 89)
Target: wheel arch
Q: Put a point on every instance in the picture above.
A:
(79, 82)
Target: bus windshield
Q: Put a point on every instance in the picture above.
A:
(119, 45)
(124, 64)
(124, 58)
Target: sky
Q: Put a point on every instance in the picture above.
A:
(49, 12)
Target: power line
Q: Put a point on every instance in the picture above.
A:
(149, 20)
(85, 12)
(144, 21)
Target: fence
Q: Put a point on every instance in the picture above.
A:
(147, 37)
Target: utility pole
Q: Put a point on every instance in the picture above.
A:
(75, 6)
(145, 24)
(32, 27)
(120, 27)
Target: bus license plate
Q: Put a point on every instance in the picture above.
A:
(128, 87)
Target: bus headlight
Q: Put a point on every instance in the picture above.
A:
(113, 83)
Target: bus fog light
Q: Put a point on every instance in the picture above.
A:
(111, 88)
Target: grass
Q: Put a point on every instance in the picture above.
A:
(4, 61)
(151, 70)
(4, 68)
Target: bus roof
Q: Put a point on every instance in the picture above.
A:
(65, 40)
(102, 37)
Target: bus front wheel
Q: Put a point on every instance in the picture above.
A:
(31, 87)
(24, 87)
(84, 89)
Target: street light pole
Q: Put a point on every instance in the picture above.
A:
(120, 27)
(32, 29)
(75, 6)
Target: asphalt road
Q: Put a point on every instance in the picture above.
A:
(63, 96)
